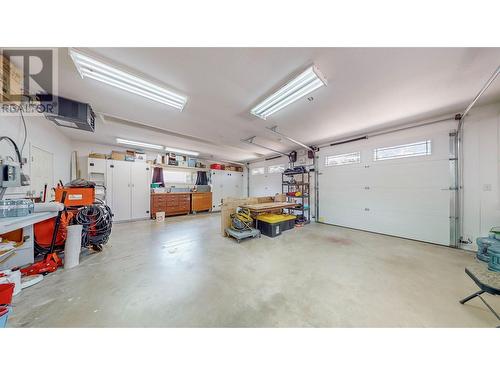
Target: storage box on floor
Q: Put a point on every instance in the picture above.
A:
(272, 225)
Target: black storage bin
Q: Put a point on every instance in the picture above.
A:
(286, 225)
(268, 229)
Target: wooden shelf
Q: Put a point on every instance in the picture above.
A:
(176, 167)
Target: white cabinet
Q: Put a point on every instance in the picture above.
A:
(96, 165)
(225, 184)
(140, 179)
(127, 189)
(96, 172)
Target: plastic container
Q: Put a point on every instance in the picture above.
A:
(8, 208)
(269, 229)
(285, 222)
(494, 258)
(24, 207)
(217, 166)
(6, 291)
(16, 207)
(4, 315)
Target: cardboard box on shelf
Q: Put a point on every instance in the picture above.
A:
(95, 155)
(117, 155)
(10, 81)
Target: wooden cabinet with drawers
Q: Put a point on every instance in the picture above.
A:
(201, 201)
(170, 203)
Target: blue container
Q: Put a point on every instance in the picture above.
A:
(494, 262)
(3, 318)
(483, 246)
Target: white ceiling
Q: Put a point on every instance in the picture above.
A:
(368, 88)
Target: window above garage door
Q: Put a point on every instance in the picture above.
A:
(402, 151)
(343, 159)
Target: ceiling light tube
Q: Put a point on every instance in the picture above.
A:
(306, 82)
(180, 151)
(89, 67)
(138, 144)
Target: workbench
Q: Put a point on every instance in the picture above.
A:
(24, 254)
(258, 208)
(179, 203)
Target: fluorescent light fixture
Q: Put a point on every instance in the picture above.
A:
(138, 144)
(89, 67)
(180, 151)
(305, 83)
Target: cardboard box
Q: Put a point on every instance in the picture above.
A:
(10, 80)
(95, 155)
(117, 155)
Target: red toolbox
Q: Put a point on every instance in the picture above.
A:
(217, 166)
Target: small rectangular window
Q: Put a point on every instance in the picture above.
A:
(177, 177)
(258, 170)
(279, 168)
(403, 151)
(342, 159)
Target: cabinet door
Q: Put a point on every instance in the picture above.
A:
(119, 178)
(96, 165)
(216, 187)
(140, 180)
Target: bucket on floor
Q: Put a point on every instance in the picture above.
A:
(6, 292)
(160, 216)
(73, 246)
(12, 277)
(4, 315)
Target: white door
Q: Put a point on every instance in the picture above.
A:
(119, 189)
(42, 171)
(140, 178)
(406, 196)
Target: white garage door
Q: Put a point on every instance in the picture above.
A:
(396, 184)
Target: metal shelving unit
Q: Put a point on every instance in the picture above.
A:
(293, 182)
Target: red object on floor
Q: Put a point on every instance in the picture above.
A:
(49, 264)
(6, 291)
(3, 310)
(45, 229)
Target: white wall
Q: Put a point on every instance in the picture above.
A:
(43, 134)
(268, 183)
(481, 172)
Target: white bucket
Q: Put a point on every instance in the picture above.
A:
(73, 246)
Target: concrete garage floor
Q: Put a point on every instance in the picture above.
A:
(183, 273)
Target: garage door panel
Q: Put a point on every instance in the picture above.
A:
(347, 217)
(345, 198)
(406, 197)
(347, 175)
(417, 200)
(429, 227)
(421, 174)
